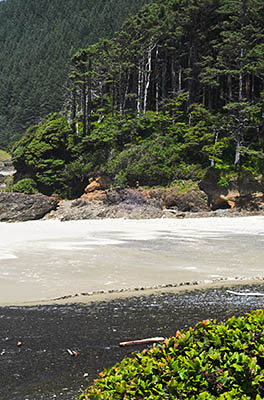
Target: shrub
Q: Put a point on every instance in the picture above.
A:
(43, 152)
(26, 185)
(210, 361)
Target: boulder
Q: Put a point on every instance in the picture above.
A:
(23, 207)
(192, 200)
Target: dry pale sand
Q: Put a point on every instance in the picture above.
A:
(41, 261)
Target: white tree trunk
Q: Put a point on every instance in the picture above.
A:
(157, 82)
(140, 87)
(216, 140)
(180, 79)
(147, 75)
(237, 153)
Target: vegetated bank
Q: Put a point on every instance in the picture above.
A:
(209, 361)
(177, 92)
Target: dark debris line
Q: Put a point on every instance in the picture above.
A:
(42, 366)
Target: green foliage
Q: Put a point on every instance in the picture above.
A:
(177, 90)
(210, 361)
(26, 185)
(43, 153)
(223, 181)
(184, 186)
(9, 183)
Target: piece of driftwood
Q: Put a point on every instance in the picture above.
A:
(73, 353)
(142, 341)
(246, 293)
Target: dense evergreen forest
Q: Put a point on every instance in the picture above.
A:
(37, 38)
(178, 90)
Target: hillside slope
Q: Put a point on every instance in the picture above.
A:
(36, 41)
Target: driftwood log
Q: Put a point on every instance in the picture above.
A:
(142, 341)
(246, 293)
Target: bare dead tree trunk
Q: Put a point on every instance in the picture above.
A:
(140, 87)
(215, 142)
(180, 79)
(147, 74)
(164, 76)
(139, 92)
(157, 82)
(84, 109)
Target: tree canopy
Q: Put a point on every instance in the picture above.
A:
(36, 42)
(177, 90)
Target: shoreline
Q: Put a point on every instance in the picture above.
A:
(108, 296)
(65, 213)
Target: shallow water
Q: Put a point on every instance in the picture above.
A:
(42, 260)
(43, 369)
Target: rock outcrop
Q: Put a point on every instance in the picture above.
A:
(241, 194)
(23, 207)
(99, 183)
(186, 200)
(132, 203)
(192, 200)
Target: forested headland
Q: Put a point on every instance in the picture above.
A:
(177, 91)
(37, 40)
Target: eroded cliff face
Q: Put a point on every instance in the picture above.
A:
(188, 199)
(241, 194)
(102, 201)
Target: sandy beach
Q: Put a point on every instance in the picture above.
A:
(46, 265)
(41, 261)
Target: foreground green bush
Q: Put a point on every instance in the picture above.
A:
(211, 361)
